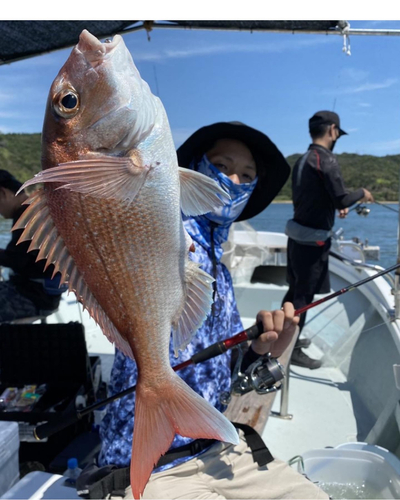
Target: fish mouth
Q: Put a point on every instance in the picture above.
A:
(94, 50)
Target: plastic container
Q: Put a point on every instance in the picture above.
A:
(72, 473)
(9, 446)
(354, 470)
(38, 485)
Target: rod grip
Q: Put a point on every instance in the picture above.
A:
(254, 331)
(49, 428)
(220, 347)
(209, 352)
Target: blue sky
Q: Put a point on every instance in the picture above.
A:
(273, 82)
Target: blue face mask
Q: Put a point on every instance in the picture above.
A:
(239, 193)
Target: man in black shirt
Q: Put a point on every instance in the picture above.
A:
(29, 291)
(318, 190)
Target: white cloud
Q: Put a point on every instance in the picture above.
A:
(389, 82)
(4, 129)
(356, 75)
(364, 104)
(9, 114)
(352, 130)
(387, 147)
(224, 48)
(7, 97)
(365, 87)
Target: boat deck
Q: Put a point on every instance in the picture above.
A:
(322, 410)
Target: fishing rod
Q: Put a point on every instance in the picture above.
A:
(45, 430)
(387, 206)
(362, 209)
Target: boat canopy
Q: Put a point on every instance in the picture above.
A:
(23, 39)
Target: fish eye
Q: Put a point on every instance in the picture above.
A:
(66, 103)
(69, 101)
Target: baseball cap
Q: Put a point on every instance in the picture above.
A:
(325, 118)
(8, 181)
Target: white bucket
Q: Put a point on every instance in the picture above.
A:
(354, 470)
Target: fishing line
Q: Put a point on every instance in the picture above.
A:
(361, 332)
(338, 83)
(156, 80)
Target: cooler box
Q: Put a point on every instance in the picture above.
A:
(9, 445)
(54, 355)
(38, 485)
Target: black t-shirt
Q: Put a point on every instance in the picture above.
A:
(23, 264)
(318, 189)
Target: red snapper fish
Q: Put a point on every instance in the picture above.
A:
(109, 217)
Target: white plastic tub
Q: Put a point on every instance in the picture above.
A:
(9, 446)
(41, 485)
(354, 470)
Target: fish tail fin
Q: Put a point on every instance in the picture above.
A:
(177, 409)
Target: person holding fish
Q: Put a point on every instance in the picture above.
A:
(28, 291)
(110, 218)
(252, 170)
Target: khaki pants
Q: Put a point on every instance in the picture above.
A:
(227, 471)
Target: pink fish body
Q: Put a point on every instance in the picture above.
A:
(109, 219)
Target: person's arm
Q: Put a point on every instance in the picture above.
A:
(17, 257)
(349, 199)
(334, 184)
(9, 256)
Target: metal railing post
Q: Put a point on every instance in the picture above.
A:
(284, 406)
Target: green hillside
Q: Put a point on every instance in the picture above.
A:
(20, 154)
(378, 174)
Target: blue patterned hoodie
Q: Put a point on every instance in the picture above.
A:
(208, 379)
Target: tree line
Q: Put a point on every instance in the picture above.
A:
(20, 154)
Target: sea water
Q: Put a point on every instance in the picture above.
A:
(379, 227)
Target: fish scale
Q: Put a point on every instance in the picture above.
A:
(110, 219)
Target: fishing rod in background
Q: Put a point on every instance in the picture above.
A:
(261, 377)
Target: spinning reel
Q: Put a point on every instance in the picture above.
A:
(362, 210)
(263, 376)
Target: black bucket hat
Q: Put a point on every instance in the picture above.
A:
(272, 168)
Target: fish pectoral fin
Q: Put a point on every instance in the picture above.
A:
(105, 177)
(200, 194)
(197, 305)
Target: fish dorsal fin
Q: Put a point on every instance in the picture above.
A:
(107, 177)
(200, 194)
(197, 305)
(38, 226)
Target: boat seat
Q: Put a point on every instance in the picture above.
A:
(254, 409)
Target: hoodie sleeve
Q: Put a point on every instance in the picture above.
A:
(333, 180)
